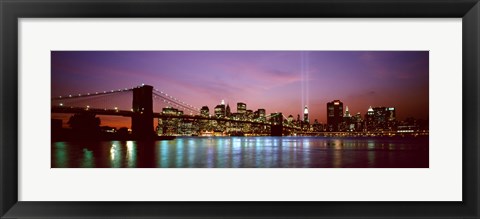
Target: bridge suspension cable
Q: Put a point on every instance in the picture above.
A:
(161, 93)
(109, 101)
(172, 101)
(76, 96)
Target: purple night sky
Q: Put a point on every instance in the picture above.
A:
(282, 81)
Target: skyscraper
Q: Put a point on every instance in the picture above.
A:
(204, 111)
(391, 114)
(260, 115)
(348, 121)
(358, 121)
(334, 115)
(241, 108)
(228, 113)
(347, 113)
(220, 110)
(370, 111)
(305, 115)
(261, 112)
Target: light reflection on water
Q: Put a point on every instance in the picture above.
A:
(244, 152)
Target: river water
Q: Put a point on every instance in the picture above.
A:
(245, 152)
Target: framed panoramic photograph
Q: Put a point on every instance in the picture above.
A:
(169, 109)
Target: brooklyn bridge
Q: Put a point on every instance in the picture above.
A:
(145, 99)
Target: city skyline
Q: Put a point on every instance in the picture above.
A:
(278, 81)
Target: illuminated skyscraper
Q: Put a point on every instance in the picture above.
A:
(260, 115)
(204, 111)
(347, 113)
(220, 110)
(241, 108)
(370, 111)
(358, 121)
(369, 119)
(334, 115)
(305, 115)
(391, 114)
(261, 112)
(348, 121)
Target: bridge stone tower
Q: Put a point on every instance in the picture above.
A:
(276, 119)
(142, 106)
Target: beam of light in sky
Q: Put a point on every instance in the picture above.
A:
(304, 70)
(307, 82)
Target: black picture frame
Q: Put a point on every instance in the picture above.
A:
(12, 10)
